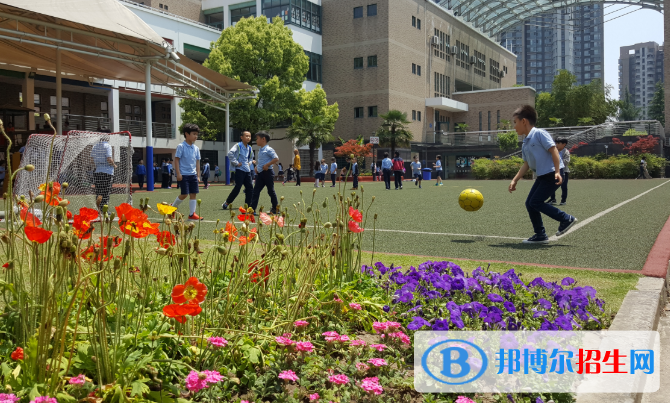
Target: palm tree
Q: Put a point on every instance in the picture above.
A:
(393, 131)
(312, 131)
(627, 109)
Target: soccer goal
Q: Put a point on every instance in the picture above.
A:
(73, 161)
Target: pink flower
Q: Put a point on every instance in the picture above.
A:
(313, 397)
(362, 366)
(340, 379)
(218, 341)
(402, 336)
(8, 398)
(331, 339)
(463, 399)
(371, 385)
(300, 324)
(392, 326)
(288, 376)
(343, 338)
(355, 306)
(330, 334)
(265, 219)
(44, 399)
(338, 300)
(379, 326)
(284, 341)
(378, 347)
(244, 401)
(78, 380)
(304, 346)
(357, 342)
(287, 335)
(212, 376)
(196, 381)
(377, 362)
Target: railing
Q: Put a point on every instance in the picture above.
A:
(88, 123)
(489, 137)
(179, 17)
(138, 128)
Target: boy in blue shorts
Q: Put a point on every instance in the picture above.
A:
(540, 154)
(416, 171)
(187, 168)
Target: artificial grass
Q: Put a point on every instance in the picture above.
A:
(618, 240)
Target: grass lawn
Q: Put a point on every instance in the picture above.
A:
(429, 221)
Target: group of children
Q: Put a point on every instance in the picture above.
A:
(321, 169)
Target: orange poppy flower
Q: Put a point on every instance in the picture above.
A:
(179, 312)
(124, 210)
(37, 234)
(353, 227)
(192, 292)
(245, 216)
(51, 187)
(258, 272)
(88, 214)
(355, 214)
(69, 215)
(17, 354)
(231, 230)
(252, 234)
(29, 218)
(82, 228)
(165, 239)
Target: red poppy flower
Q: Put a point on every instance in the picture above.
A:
(231, 230)
(252, 234)
(37, 234)
(179, 312)
(52, 187)
(82, 227)
(69, 215)
(6, 265)
(258, 271)
(355, 214)
(245, 216)
(165, 239)
(88, 214)
(29, 218)
(17, 354)
(353, 227)
(192, 292)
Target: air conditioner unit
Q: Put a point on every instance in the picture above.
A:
(454, 50)
(473, 60)
(502, 74)
(436, 40)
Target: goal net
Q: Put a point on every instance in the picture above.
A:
(78, 158)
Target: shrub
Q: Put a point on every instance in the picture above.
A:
(633, 132)
(615, 167)
(485, 168)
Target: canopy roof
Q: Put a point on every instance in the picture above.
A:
(99, 39)
(495, 16)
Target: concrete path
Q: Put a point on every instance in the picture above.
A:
(663, 394)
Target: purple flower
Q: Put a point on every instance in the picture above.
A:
(564, 322)
(458, 283)
(441, 324)
(545, 304)
(511, 399)
(509, 306)
(494, 315)
(457, 320)
(478, 272)
(539, 400)
(538, 282)
(546, 325)
(417, 323)
(386, 308)
(506, 285)
(456, 270)
(474, 284)
(568, 281)
(495, 297)
(404, 295)
(539, 313)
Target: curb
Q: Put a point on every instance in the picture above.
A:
(656, 264)
(641, 310)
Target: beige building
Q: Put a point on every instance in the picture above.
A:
(416, 57)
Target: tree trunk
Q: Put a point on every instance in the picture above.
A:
(393, 142)
(311, 156)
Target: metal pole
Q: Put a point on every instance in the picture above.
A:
(149, 148)
(227, 141)
(59, 93)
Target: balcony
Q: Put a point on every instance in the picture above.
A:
(137, 128)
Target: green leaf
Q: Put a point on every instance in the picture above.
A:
(139, 388)
(64, 397)
(252, 355)
(16, 371)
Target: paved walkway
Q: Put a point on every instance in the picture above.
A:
(663, 394)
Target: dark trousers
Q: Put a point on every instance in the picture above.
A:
(355, 181)
(387, 178)
(543, 187)
(165, 180)
(204, 180)
(103, 186)
(374, 176)
(242, 178)
(564, 188)
(263, 179)
(398, 179)
(333, 177)
(140, 181)
(297, 177)
(642, 173)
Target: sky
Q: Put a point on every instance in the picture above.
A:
(636, 27)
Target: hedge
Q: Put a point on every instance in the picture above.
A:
(614, 167)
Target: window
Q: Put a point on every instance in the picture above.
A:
(245, 12)
(441, 49)
(418, 23)
(372, 61)
(215, 20)
(413, 21)
(128, 110)
(137, 110)
(372, 111)
(442, 86)
(314, 72)
(413, 115)
(160, 6)
(166, 7)
(372, 10)
(37, 99)
(103, 106)
(358, 63)
(462, 55)
(52, 100)
(418, 70)
(494, 71)
(358, 12)
(413, 68)
(489, 121)
(480, 64)
(498, 118)
(480, 121)
(301, 13)
(358, 112)
(418, 116)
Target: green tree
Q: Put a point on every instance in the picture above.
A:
(585, 122)
(627, 110)
(509, 139)
(657, 105)
(393, 131)
(260, 54)
(556, 122)
(313, 125)
(461, 127)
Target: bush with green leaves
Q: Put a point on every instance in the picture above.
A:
(485, 168)
(615, 167)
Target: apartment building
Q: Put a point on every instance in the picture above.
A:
(640, 68)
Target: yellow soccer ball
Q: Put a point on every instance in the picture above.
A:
(471, 200)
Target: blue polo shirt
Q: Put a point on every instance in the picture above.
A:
(100, 152)
(535, 151)
(324, 168)
(387, 163)
(333, 167)
(265, 155)
(188, 156)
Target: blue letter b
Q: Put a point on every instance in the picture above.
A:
(461, 361)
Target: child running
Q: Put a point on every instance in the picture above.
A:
(416, 171)
(267, 157)
(438, 169)
(187, 168)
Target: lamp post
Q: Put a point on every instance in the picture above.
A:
(606, 146)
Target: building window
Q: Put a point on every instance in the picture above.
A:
(442, 86)
(372, 10)
(244, 12)
(37, 99)
(372, 61)
(418, 70)
(358, 112)
(480, 64)
(413, 115)
(418, 116)
(498, 118)
(462, 55)
(358, 62)
(494, 71)
(137, 110)
(160, 6)
(418, 23)
(489, 121)
(413, 21)
(413, 68)
(215, 20)
(301, 13)
(314, 72)
(372, 111)
(480, 121)
(441, 49)
(103, 106)
(358, 12)
(128, 110)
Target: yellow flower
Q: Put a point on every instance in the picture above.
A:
(165, 209)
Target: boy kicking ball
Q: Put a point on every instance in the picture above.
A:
(187, 168)
(540, 154)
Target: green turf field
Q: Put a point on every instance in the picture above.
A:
(429, 221)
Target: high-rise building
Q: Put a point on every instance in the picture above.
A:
(570, 38)
(640, 68)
